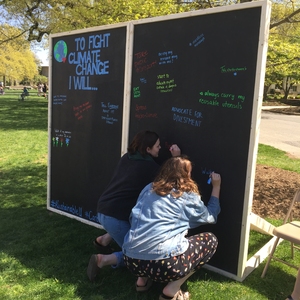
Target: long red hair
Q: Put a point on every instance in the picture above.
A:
(175, 178)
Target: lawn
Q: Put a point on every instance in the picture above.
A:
(44, 255)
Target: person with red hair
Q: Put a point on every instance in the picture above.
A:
(156, 248)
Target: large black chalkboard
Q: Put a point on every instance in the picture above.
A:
(196, 79)
(193, 82)
(87, 87)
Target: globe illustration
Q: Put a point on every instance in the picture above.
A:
(61, 51)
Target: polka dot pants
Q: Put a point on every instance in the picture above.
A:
(201, 249)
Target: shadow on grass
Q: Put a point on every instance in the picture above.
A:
(55, 248)
(24, 115)
(264, 287)
(23, 186)
(59, 248)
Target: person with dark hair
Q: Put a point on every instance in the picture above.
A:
(156, 247)
(134, 171)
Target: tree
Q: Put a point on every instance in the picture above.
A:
(17, 60)
(283, 61)
(37, 19)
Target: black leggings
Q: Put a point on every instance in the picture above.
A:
(201, 249)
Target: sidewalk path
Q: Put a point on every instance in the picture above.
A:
(281, 131)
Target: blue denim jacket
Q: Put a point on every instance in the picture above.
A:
(159, 223)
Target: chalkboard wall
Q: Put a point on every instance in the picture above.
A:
(193, 83)
(191, 77)
(86, 127)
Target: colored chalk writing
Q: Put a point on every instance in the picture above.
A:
(87, 60)
(141, 62)
(165, 84)
(136, 92)
(186, 116)
(59, 99)
(198, 40)
(89, 215)
(61, 138)
(72, 209)
(225, 69)
(223, 100)
(166, 57)
(142, 113)
(80, 109)
(108, 110)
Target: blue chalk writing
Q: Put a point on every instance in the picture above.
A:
(186, 116)
(90, 216)
(198, 40)
(74, 210)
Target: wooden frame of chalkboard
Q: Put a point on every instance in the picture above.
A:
(196, 79)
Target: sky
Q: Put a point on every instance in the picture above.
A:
(43, 56)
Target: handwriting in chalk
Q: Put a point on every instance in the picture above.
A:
(187, 116)
(108, 110)
(136, 92)
(206, 171)
(165, 84)
(142, 113)
(59, 99)
(223, 100)
(166, 57)
(74, 210)
(235, 71)
(89, 215)
(87, 61)
(78, 110)
(198, 40)
(141, 63)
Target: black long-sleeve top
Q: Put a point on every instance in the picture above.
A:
(131, 175)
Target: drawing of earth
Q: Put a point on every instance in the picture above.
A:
(61, 51)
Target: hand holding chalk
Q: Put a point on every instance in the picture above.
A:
(175, 150)
(209, 179)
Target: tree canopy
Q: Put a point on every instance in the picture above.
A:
(34, 20)
(17, 60)
(283, 61)
(38, 18)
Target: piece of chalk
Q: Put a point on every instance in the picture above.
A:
(209, 179)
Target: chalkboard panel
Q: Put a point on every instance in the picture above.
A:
(86, 117)
(193, 82)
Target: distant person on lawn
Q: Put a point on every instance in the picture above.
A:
(25, 93)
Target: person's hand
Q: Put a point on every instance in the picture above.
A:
(215, 179)
(216, 184)
(175, 150)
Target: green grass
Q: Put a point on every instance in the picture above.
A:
(44, 255)
(273, 157)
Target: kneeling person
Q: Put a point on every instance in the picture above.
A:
(156, 247)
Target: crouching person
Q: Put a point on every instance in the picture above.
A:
(156, 247)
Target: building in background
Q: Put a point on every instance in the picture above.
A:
(45, 71)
